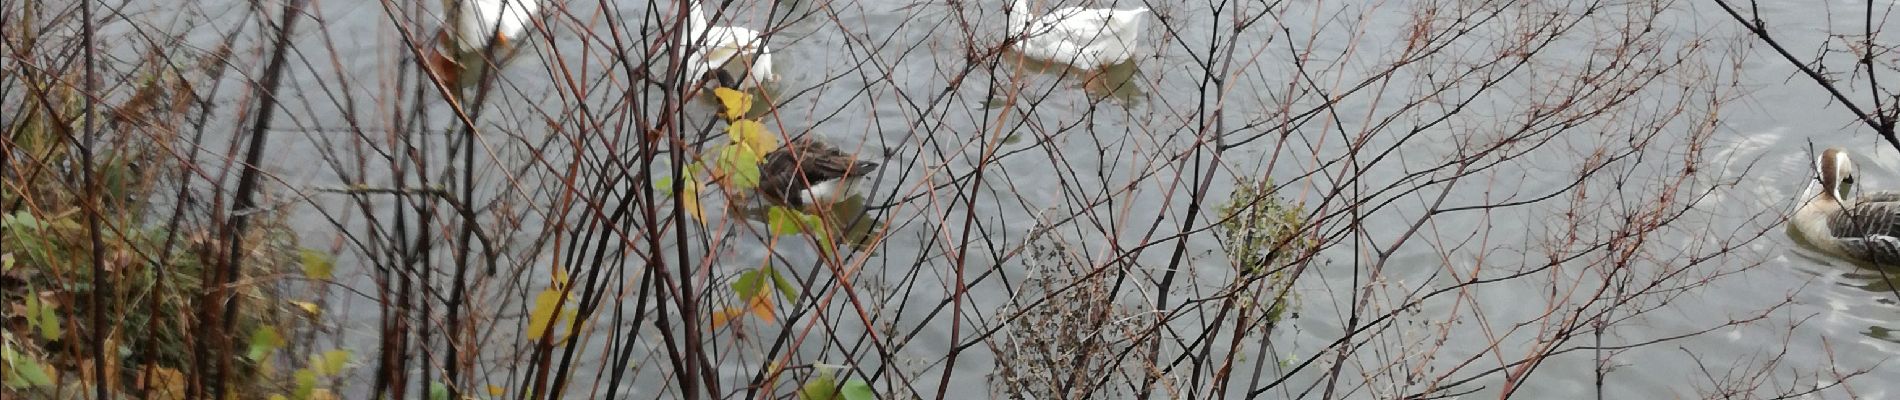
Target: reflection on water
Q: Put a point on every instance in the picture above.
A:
(1881, 333)
(1115, 81)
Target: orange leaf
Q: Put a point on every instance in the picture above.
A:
(725, 316)
(761, 306)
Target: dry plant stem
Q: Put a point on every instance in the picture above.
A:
(100, 282)
(1881, 121)
(216, 328)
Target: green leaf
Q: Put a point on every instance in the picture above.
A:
(332, 362)
(306, 383)
(784, 286)
(825, 243)
(785, 221)
(664, 185)
(748, 284)
(438, 391)
(264, 340)
(6, 261)
(752, 135)
(24, 372)
(740, 165)
(317, 265)
(42, 316)
(823, 387)
(22, 219)
(857, 389)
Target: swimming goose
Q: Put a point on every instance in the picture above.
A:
(472, 25)
(728, 52)
(1083, 38)
(1865, 228)
(807, 172)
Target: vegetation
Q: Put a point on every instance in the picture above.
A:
(1273, 200)
(101, 273)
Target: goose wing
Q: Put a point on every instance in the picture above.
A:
(1871, 228)
(1083, 26)
(802, 164)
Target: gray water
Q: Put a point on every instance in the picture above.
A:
(1838, 317)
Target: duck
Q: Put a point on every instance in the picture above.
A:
(806, 172)
(473, 26)
(1082, 38)
(1836, 221)
(736, 56)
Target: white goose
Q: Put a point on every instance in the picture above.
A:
(1082, 38)
(472, 26)
(737, 56)
(1865, 228)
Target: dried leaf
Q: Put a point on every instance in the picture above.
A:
(166, 383)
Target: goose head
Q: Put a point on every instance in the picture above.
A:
(1128, 21)
(1837, 176)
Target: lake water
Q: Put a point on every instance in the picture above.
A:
(1110, 177)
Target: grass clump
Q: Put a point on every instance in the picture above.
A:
(154, 255)
(1261, 234)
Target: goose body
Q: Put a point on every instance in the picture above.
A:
(1082, 38)
(1864, 227)
(806, 172)
(475, 22)
(736, 55)
(472, 26)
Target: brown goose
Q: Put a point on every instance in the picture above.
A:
(1866, 227)
(806, 172)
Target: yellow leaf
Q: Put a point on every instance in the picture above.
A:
(496, 391)
(752, 135)
(560, 279)
(323, 394)
(317, 265)
(306, 383)
(735, 103)
(545, 305)
(332, 362)
(689, 201)
(308, 307)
